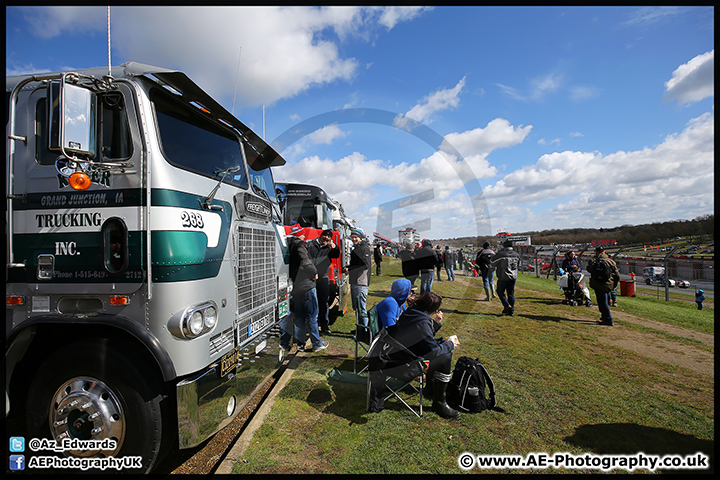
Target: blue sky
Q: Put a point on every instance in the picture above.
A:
(461, 121)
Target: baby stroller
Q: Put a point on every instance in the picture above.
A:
(575, 292)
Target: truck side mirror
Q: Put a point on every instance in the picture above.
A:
(71, 117)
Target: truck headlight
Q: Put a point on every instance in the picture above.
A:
(198, 320)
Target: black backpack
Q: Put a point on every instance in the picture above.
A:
(601, 270)
(466, 390)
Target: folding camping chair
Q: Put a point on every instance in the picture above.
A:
(364, 335)
(393, 368)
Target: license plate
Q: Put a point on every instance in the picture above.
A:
(283, 308)
(229, 361)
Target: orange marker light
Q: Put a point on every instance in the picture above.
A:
(15, 300)
(79, 181)
(119, 300)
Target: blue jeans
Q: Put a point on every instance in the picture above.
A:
(426, 280)
(506, 294)
(603, 301)
(359, 293)
(450, 272)
(286, 328)
(306, 315)
(488, 279)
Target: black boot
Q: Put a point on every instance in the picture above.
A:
(440, 405)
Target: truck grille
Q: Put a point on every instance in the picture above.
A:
(257, 284)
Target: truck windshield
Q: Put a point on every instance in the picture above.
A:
(263, 180)
(302, 210)
(191, 140)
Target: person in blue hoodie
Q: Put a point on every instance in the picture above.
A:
(416, 329)
(390, 309)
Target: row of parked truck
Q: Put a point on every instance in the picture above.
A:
(147, 265)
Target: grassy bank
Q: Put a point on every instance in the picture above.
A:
(563, 387)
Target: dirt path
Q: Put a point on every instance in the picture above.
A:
(652, 345)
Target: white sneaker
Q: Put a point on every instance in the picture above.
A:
(322, 346)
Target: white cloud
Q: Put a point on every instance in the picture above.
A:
(443, 99)
(538, 88)
(326, 135)
(49, 22)
(498, 133)
(391, 16)
(693, 81)
(579, 93)
(672, 180)
(283, 51)
(545, 84)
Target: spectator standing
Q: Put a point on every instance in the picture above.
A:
(461, 259)
(570, 263)
(449, 261)
(304, 296)
(409, 264)
(321, 251)
(506, 263)
(483, 261)
(699, 298)
(377, 256)
(613, 297)
(604, 277)
(426, 260)
(359, 272)
(438, 262)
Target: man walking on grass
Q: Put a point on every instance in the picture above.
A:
(506, 263)
(604, 278)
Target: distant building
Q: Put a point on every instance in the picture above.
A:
(409, 236)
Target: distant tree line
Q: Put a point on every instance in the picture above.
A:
(651, 234)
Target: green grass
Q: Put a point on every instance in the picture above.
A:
(563, 389)
(674, 312)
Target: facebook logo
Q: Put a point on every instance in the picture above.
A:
(17, 462)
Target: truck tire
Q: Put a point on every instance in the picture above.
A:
(91, 391)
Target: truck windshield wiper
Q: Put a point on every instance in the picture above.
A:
(205, 204)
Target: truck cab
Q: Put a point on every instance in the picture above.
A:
(145, 279)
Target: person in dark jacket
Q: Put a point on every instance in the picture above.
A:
(426, 260)
(321, 251)
(377, 256)
(602, 285)
(506, 263)
(448, 257)
(410, 269)
(303, 273)
(486, 271)
(359, 272)
(416, 329)
(438, 263)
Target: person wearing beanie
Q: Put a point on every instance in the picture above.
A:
(322, 251)
(699, 298)
(486, 271)
(303, 274)
(506, 263)
(604, 277)
(359, 273)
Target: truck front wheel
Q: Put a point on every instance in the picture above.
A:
(91, 391)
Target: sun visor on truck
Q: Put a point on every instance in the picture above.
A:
(264, 155)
